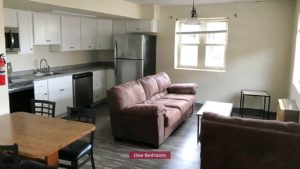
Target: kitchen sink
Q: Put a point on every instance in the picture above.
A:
(46, 73)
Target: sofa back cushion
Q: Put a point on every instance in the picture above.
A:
(163, 81)
(248, 143)
(125, 95)
(150, 86)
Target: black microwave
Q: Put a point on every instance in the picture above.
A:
(12, 42)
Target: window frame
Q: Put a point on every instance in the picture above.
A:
(201, 45)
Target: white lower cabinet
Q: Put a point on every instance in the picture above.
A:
(61, 92)
(110, 78)
(99, 85)
(58, 90)
(41, 90)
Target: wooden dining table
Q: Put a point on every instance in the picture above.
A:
(40, 136)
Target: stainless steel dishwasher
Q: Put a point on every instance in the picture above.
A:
(83, 89)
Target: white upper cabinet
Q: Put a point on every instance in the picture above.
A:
(70, 33)
(104, 41)
(25, 32)
(141, 26)
(88, 33)
(119, 27)
(46, 29)
(10, 18)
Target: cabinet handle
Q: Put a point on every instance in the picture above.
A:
(48, 40)
(71, 47)
(62, 90)
(30, 49)
(90, 46)
(45, 94)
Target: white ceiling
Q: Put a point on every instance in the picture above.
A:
(187, 2)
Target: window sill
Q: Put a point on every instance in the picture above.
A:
(202, 70)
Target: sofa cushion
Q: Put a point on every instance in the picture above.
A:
(172, 116)
(163, 81)
(186, 97)
(182, 105)
(156, 97)
(150, 86)
(126, 95)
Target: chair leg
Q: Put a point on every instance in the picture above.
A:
(92, 160)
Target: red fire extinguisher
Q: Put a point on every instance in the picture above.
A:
(2, 70)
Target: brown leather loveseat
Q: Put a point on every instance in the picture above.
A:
(236, 143)
(150, 109)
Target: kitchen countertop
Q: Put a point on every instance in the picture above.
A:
(25, 81)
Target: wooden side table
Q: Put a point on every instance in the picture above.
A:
(255, 93)
(220, 108)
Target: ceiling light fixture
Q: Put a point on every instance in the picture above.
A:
(194, 14)
(71, 13)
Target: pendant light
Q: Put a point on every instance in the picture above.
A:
(194, 14)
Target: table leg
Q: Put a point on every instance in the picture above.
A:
(242, 108)
(269, 106)
(197, 128)
(52, 159)
(241, 102)
(264, 108)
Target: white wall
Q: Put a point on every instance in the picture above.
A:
(259, 50)
(4, 100)
(294, 93)
(26, 61)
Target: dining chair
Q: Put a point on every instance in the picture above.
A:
(80, 148)
(43, 107)
(9, 159)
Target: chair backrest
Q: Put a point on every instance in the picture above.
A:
(43, 107)
(85, 115)
(9, 156)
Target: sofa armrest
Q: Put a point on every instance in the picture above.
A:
(145, 110)
(183, 88)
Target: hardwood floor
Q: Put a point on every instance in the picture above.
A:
(185, 151)
(111, 154)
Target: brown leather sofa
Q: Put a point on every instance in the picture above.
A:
(235, 143)
(150, 109)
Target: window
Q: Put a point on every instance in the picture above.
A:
(201, 44)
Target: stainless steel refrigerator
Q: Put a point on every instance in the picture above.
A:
(134, 56)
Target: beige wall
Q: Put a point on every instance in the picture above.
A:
(4, 101)
(294, 94)
(259, 50)
(26, 61)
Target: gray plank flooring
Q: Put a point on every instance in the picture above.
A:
(185, 151)
(111, 154)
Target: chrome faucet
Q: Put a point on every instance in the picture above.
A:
(45, 69)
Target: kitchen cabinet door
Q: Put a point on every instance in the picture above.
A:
(10, 18)
(104, 41)
(61, 92)
(25, 32)
(110, 78)
(41, 90)
(148, 26)
(46, 29)
(99, 85)
(119, 27)
(70, 32)
(133, 26)
(141, 26)
(88, 33)
(53, 29)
